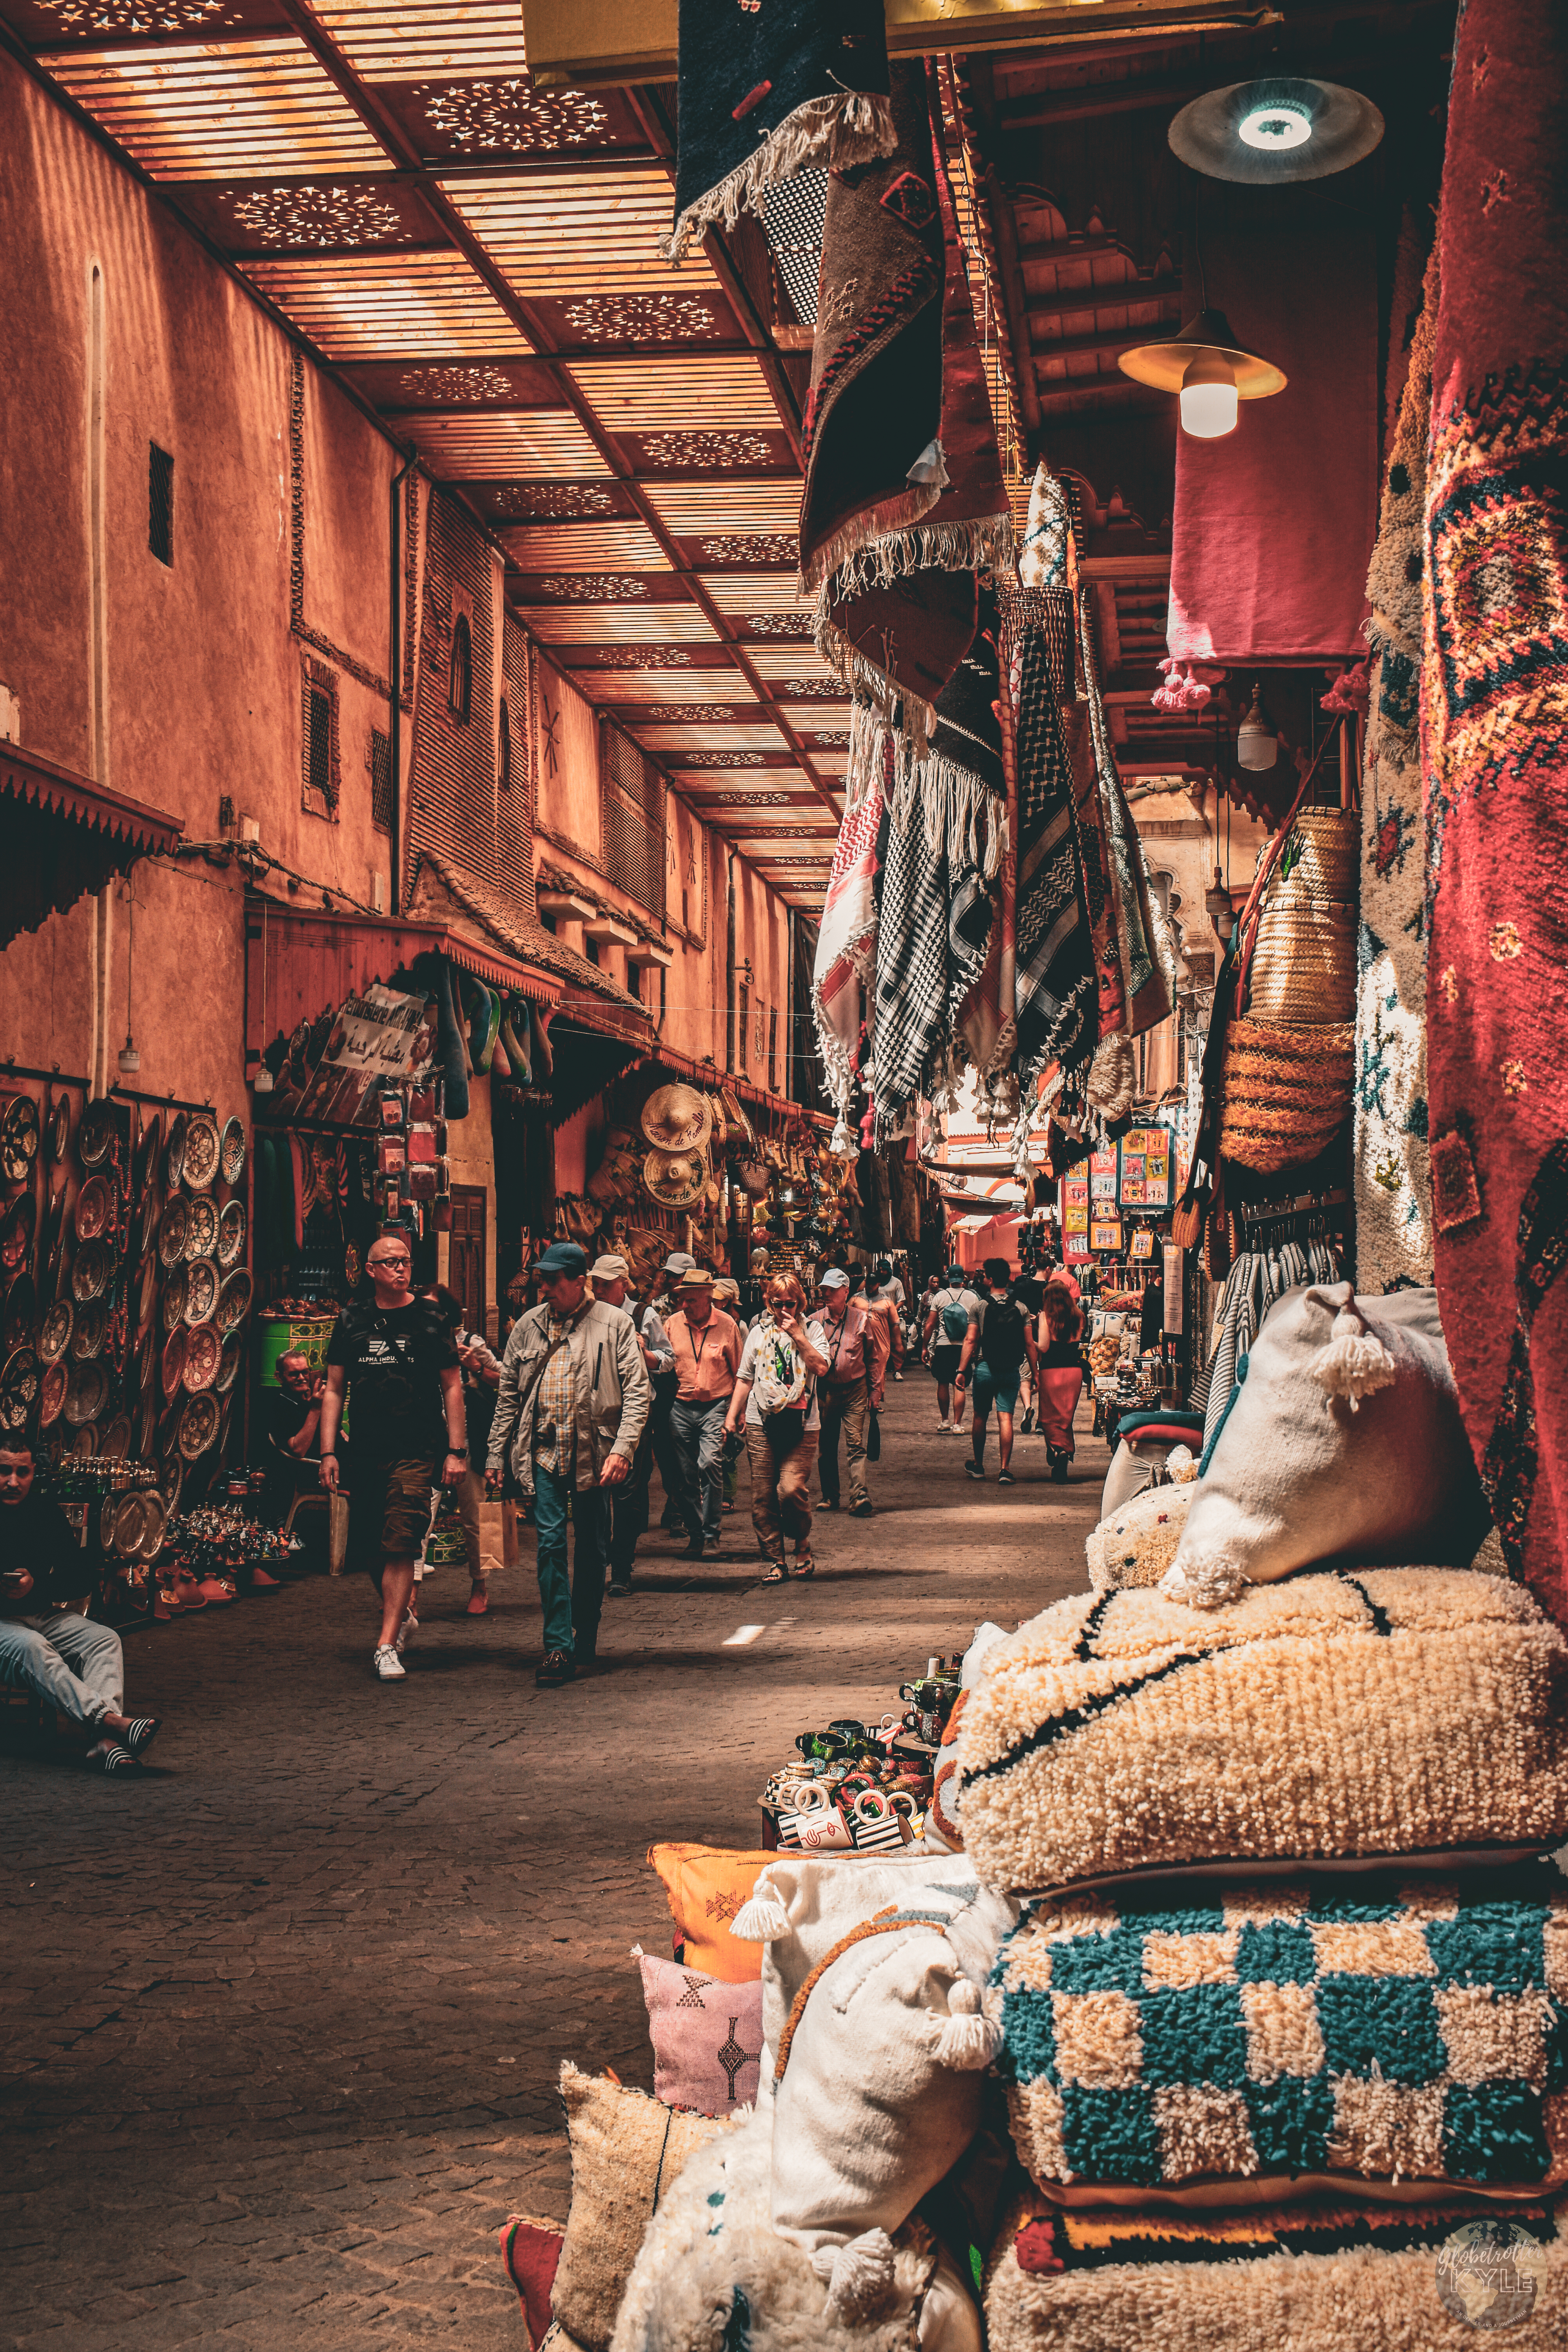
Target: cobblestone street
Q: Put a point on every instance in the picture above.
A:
(284, 2017)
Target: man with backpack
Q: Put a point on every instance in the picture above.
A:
(950, 1314)
(1003, 1343)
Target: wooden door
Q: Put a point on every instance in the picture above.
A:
(465, 1277)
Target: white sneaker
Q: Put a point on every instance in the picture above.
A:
(405, 1632)
(944, 1429)
(389, 1666)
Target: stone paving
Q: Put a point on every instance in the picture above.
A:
(284, 2017)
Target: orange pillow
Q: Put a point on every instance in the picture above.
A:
(706, 1885)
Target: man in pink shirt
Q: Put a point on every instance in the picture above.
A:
(705, 1343)
(857, 1347)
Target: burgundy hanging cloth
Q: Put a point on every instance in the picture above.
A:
(1273, 526)
(1494, 746)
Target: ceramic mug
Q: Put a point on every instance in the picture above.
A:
(811, 1797)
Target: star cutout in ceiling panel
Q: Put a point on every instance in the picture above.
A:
(312, 216)
(511, 118)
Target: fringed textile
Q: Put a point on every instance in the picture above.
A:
(766, 93)
(1055, 989)
(847, 945)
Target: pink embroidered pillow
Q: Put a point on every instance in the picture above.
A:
(706, 2037)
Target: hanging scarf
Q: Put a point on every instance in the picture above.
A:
(766, 93)
(846, 946)
(1056, 986)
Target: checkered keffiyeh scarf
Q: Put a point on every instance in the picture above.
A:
(1055, 982)
(912, 965)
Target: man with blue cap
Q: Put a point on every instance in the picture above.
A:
(572, 1400)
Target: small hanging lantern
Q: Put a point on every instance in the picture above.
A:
(1257, 743)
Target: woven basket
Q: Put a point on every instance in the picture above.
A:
(1285, 1091)
(1302, 970)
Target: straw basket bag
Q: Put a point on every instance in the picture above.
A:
(1289, 1061)
(1304, 960)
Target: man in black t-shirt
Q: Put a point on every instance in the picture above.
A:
(47, 1643)
(1003, 1345)
(394, 1357)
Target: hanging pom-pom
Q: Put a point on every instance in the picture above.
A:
(1356, 1362)
(967, 2041)
(1205, 1583)
(859, 2277)
(764, 1917)
(1352, 690)
(1194, 693)
(1168, 696)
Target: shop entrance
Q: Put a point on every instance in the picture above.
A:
(466, 1273)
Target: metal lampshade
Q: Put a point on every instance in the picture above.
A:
(1207, 368)
(1257, 743)
(1285, 128)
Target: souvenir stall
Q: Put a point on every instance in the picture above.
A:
(125, 1230)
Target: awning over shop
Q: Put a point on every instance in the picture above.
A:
(588, 1060)
(706, 1076)
(66, 837)
(300, 964)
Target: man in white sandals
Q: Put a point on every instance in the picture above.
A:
(47, 1641)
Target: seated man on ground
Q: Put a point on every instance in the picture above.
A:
(47, 1643)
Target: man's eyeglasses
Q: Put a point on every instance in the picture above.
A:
(374, 1265)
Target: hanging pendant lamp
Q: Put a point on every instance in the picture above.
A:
(1256, 739)
(1206, 367)
(1285, 128)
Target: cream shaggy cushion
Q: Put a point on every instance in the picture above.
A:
(1331, 2280)
(801, 1909)
(627, 2152)
(1263, 2039)
(1137, 1544)
(713, 2273)
(1399, 1711)
(941, 1834)
(1342, 1443)
(877, 2078)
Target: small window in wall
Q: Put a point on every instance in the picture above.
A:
(161, 503)
(503, 751)
(379, 762)
(318, 751)
(663, 992)
(745, 998)
(633, 979)
(460, 671)
(320, 769)
(772, 1049)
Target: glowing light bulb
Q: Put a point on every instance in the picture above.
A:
(1282, 124)
(1208, 396)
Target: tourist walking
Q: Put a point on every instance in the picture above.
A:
(628, 1503)
(47, 1641)
(891, 1290)
(950, 1312)
(393, 1356)
(480, 1369)
(997, 1346)
(663, 1304)
(706, 1345)
(572, 1406)
(1059, 1375)
(775, 1403)
(852, 1387)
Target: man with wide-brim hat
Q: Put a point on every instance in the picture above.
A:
(611, 1278)
(573, 1402)
(705, 1343)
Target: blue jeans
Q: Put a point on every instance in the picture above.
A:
(73, 1663)
(572, 1608)
(698, 1434)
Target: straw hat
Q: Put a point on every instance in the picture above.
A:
(675, 1180)
(677, 1119)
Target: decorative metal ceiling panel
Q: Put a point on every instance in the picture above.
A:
(648, 395)
(226, 111)
(581, 233)
(587, 547)
(402, 40)
(361, 307)
(577, 624)
(537, 441)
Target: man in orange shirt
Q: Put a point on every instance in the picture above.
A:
(857, 1340)
(707, 1344)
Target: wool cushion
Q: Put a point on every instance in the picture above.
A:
(713, 2273)
(941, 1834)
(1326, 2278)
(1266, 2037)
(707, 2036)
(1401, 1711)
(706, 1885)
(1342, 1442)
(628, 2151)
(1137, 1544)
(876, 2085)
(802, 1909)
